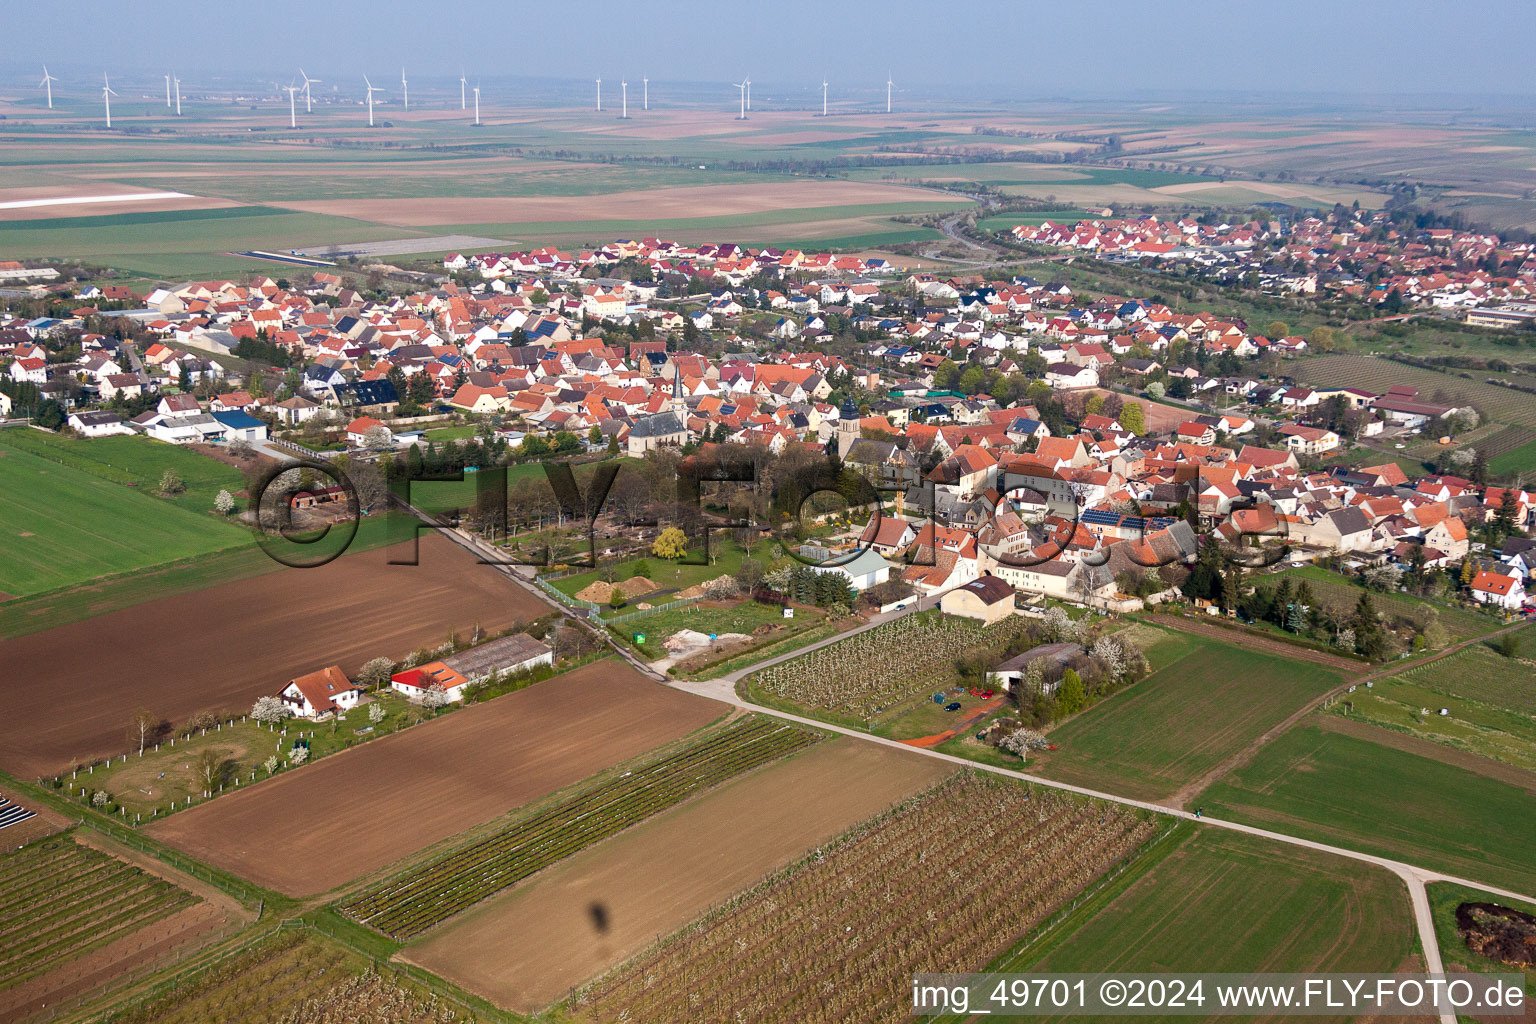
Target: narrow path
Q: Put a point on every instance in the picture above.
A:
(1195, 787)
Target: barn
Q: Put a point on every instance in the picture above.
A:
(985, 598)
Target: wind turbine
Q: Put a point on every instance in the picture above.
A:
(624, 102)
(742, 86)
(599, 95)
(371, 90)
(308, 107)
(47, 83)
(106, 97)
(477, 106)
(645, 102)
(177, 83)
(887, 92)
(749, 92)
(462, 83)
(292, 117)
(405, 92)
(823, 97)
(167, 91)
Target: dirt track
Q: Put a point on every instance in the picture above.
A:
(321, 826)
(529, 947)
(68, 692)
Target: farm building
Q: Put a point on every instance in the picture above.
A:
(986, 598)
(321, 693)
(516, 653)
(863, 572)
(1010, 673)
(239, 426)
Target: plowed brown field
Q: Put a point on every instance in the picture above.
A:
(68, 692)
(311, 830)
(530, 947)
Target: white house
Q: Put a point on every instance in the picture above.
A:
(1066, 376)
(98, 424)
(1501, 591)
(321, 693)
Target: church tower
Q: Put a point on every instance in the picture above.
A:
(678, 405)
(847, 428)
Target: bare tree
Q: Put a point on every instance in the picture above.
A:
(143, 725)
(210, 767)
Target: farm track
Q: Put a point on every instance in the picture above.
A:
(1193, 789)
(404, 908)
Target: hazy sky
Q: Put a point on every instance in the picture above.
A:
(992, 50)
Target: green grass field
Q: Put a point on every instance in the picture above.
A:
(136, 461)
(1475, 727)
(147, 242)
(1205, 700)
(65, 525)
(1521, 459)
(1367, 796)
(1222, 901)
(1477, 673)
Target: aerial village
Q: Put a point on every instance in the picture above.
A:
(1073, 447)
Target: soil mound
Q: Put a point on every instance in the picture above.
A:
(1498, 933)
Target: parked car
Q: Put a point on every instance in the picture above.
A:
(953, 705)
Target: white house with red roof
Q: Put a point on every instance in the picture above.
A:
(321, 693)
(357, 430)
(1501, 591)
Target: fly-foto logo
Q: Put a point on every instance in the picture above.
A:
(307, 514)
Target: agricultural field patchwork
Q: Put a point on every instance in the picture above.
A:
(1361, 793)
(840, 933)
(1475, 701)
(530, 946)
(407, 906)
(61, 901)
(1206, 700)
(393, 797)
(1502, 405)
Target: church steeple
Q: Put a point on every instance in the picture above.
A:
(677, 389)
